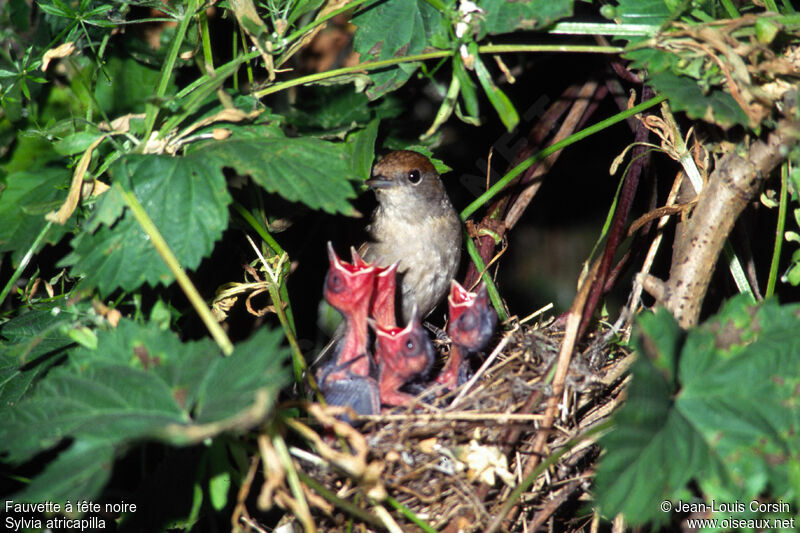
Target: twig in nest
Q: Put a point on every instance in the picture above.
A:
(552, 505)
(489, 360)
(499, 418)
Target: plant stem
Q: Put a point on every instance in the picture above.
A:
(174, 266)
(580, 135)
(166, 69)
(411, 515)
(259, 228)
(341, 503)
(208, 55)
(731, 9)
(487, 49)
(541, 467)
(739, 277)
(322, 20)
(298, 361)
(26, 259)
(776, 251)
(494, 294)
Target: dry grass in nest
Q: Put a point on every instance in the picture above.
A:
(454, 462)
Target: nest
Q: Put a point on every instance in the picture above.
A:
(454, 462)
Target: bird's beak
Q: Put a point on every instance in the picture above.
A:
(378, 182)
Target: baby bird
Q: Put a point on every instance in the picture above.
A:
(472, 322)
(403, 354)
(346, 379)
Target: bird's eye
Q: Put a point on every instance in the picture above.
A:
(468, 321)
(410, 346)
(335, 282)
(414, 177)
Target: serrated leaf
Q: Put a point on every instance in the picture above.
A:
(732, 426)
(140, 383)
(503, 17)
(78, 473)
(31, 344)
(381, 35)
(183, 196)
(329, 109)
(22, 202)
(301, 169)
(362, 150)
(127, 85)
(231, 383)
(110, 403)
(717, 107)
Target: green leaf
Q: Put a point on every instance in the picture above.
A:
(499, 100)
(219, 483)
(394, 28)
(468, 91)
(330, 109)
(727, 419)
(140, 383)
(182, 195)
(125, 85)
(685, 94)
(652, 12)
(504, 17)
(362, 150)
(76, 143)
(24, 200)
(692, 84)
(230, 384)
(78, 473)
(31, 343)
(301, 169)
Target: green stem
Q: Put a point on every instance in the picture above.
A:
(739, 277)
(322, 20)
(776, 251)
(520, 489)
(603, 28)
(200, 91)
(292, 476)
(206, 38)
(520, 168)
(411, 515)
(731, 9)
(166, 70)
(288, 311)
(298, 362)
(26, 259)
(341, 503)
(494, 294)
(174, 266)
(259, 228)
(286, 316)
(487, 49)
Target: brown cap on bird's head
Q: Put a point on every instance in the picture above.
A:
(410, 176)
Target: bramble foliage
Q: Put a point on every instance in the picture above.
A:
(717, 406)
(118, 159)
